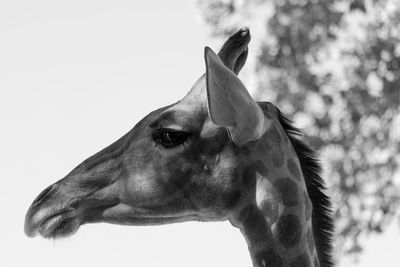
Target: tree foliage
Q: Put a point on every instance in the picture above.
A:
(334, 67)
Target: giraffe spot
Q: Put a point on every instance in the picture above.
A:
(273, 259)
(308, 206)
(316, 261)
(266, 146)
(246, 213)
(301, 261)
(249, 177)
(277, 156)
(292, 149)
(310, 239)
(288, 229)
(286, 138)
(260, 168)
(266, 207)
(246, 151)
(275, 134)
(283, 134)
(255, 226)
(234, 176)
(270, 258)
(232, 199)
(294, 170)
(270, 211)
(288, 191)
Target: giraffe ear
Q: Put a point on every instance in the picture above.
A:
(230, 104)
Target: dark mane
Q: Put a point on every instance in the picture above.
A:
(322, 221)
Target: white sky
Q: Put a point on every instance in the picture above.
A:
(74, 77)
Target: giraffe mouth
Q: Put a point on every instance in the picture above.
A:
(63, 220)
(61, 224)
(53, 224)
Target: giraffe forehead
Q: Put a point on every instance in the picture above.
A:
(197, 94)
(180, 117)
(190, 112)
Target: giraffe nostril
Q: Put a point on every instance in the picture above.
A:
(44, 195)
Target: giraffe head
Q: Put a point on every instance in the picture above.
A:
(179, 163)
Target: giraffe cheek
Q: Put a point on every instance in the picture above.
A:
(140, 188)
(223, 192)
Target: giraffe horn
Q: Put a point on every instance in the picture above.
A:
(230, 104)
(233, 52)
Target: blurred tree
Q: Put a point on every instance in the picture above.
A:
(334, 67)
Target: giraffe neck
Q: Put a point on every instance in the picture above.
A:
(276, 221)
(272, 247)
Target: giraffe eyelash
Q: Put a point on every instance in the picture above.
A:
(170, 138)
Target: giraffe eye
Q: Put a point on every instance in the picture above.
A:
(170, 138)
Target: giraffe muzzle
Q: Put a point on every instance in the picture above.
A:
(48, 217)
(63, 207)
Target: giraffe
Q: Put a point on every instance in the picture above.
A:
(215, 155)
